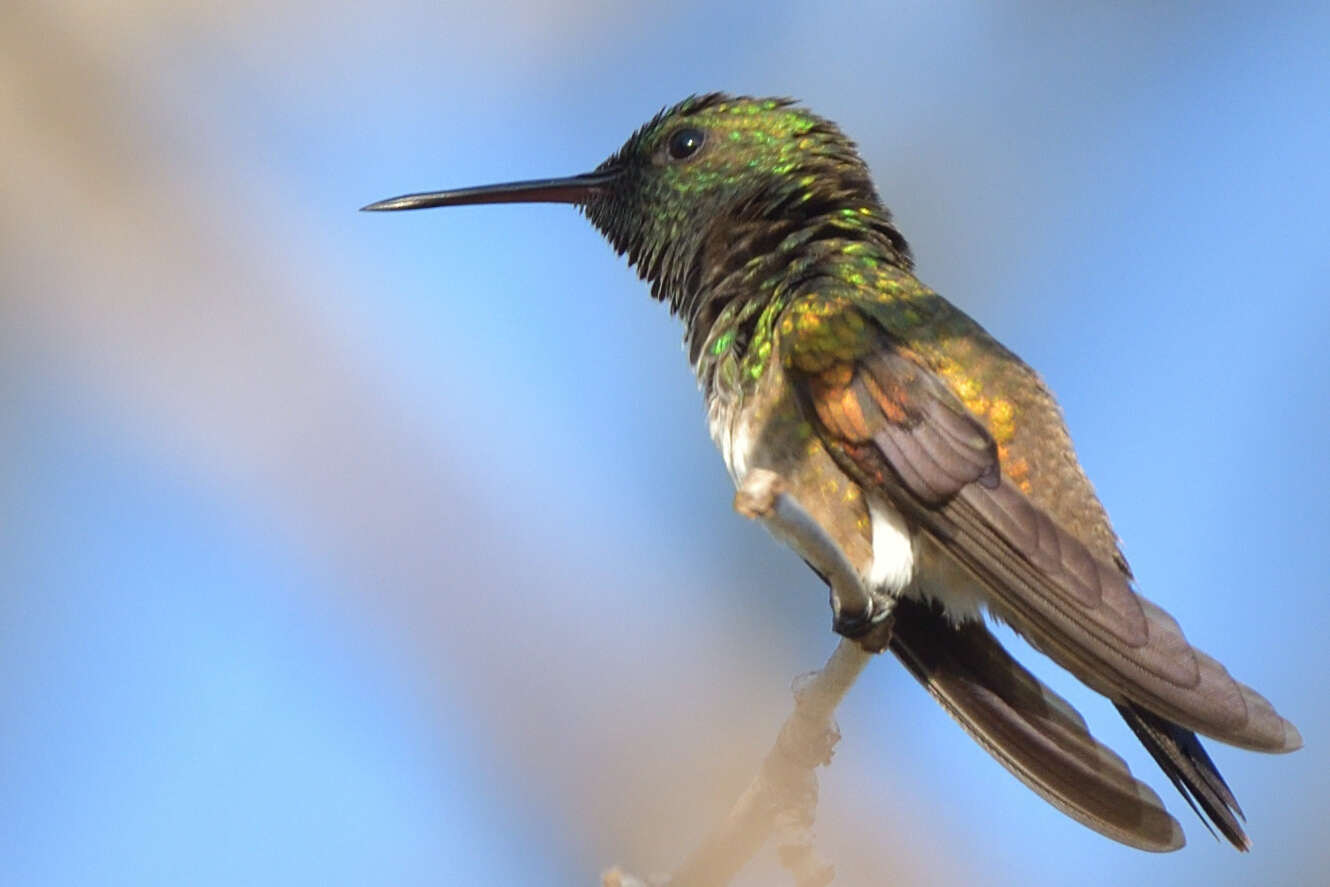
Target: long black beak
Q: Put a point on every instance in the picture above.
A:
(573, 189)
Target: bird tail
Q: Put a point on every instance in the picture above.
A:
(1185, 761)
(1044, 742)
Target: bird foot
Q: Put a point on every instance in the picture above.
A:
(867, 621)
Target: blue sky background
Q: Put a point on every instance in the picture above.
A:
(347, 549)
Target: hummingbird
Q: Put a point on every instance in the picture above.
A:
(935, 459)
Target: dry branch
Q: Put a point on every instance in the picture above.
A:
(781, 801)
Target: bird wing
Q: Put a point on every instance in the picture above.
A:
(1028, 728)
(900, 431)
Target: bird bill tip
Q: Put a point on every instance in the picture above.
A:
(391, 203)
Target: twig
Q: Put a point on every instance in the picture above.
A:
(781, 801)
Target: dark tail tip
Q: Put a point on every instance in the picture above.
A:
(1185, 761)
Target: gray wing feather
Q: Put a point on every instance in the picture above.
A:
(1086, 615)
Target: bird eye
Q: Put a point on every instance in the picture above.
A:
(685, 142)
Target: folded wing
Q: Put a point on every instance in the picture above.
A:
(896, 427)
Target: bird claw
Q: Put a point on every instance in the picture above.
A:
(867, 622)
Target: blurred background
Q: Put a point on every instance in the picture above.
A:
(352, 549)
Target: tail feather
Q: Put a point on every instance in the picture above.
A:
(1187, 764)
(1028, 728)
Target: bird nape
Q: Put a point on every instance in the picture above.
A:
(933, 457)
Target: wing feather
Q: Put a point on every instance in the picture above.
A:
(897, 428)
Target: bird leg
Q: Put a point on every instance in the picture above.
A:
(856, 613)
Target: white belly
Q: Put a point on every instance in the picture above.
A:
(910, 564)
(893, 549)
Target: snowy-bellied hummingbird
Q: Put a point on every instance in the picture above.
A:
(935, 459)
